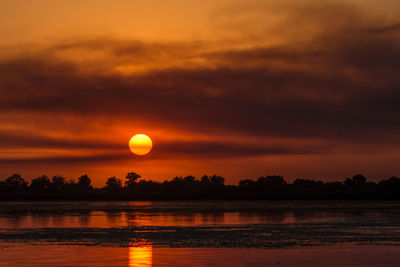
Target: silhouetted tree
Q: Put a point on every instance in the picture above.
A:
(84, 183)
(306, 185)
(205, 179)
(59, 183)
(113, 184)
(213, 183)
(217, 180)
(355, 183)
(357, 180)
(205, 183)
(272, 183)
(175, 185)
(131, 178)
(40, 184)
(356, 187)
(189, 179)
(71, 186)
(247, 185)
(15, 183)
(391, 184)
(148, 186)
(190, 183)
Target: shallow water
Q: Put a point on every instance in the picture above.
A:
(125, 214)
(45, 255)
(199, 233)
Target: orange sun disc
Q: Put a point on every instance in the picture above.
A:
(140, 144)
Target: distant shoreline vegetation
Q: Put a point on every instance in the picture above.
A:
(272, 187)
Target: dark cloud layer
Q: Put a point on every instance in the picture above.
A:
(177, 149)
(343, 83)
(20, 139)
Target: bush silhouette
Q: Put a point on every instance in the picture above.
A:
(113, 184)
(131, 179)
(84, 183)
(58, 183)
(15, 183)
(265, 187)
(40, 184)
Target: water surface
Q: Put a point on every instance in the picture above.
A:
(79, 256)
(199, 233)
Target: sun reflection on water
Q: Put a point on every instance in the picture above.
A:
(140, 254)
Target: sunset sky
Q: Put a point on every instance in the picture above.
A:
(301, 88)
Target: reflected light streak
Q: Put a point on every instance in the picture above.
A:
(141, 256)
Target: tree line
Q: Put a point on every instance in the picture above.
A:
(206, 185)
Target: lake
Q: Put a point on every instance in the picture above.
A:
(208, 233)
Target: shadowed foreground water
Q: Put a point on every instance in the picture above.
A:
(200, 234)
(45, 255)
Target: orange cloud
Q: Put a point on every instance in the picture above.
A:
(300, 89)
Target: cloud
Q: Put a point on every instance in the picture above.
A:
(213, 149)
(107, 152)
(21, 139)
(62, 160)
(334, 77)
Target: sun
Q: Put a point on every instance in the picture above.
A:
(140, 144)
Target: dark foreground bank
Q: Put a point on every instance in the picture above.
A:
(189, 188)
